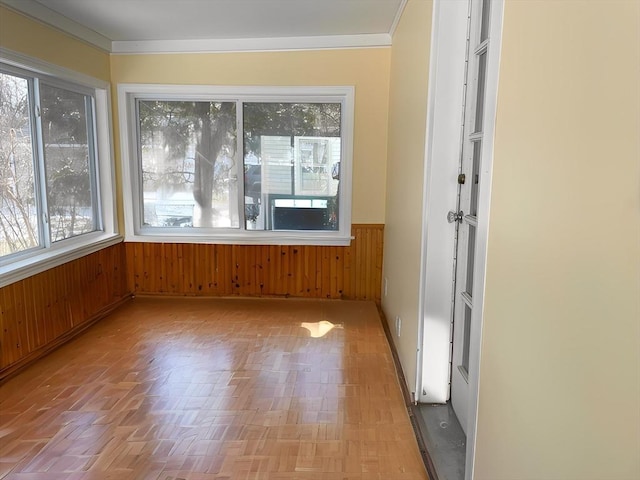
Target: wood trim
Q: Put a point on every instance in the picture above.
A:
(353, 272)
(14, 368)
(41, 312)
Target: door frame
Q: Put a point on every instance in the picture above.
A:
(442, 156)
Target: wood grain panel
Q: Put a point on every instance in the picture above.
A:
(353, 272)
(40, 312)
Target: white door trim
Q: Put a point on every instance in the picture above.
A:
(484, 209)
(442, 156)
(442, 150)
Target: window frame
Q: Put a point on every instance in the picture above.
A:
(20, 265)
(129, 94)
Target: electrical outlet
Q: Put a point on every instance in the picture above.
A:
(385, 286)
(398, 325)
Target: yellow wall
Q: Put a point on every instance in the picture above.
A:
(366, 69)
(405, 170)
(560, 371)
(28, 37)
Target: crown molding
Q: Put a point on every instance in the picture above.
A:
(42, 14)
(252, 44)
(45, 15)
(396, 20)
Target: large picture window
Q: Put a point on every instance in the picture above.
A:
(205, 164)
(51, 207)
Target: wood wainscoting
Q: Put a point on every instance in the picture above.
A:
(41, 312)
(353, 272)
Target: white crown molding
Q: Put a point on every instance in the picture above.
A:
(396, 20)
(252, 44)
(39, 12)
(47, 16)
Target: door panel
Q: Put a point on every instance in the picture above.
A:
(442, 153)
(467, 208)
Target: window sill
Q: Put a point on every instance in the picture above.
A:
(248, 238)
(44, 260)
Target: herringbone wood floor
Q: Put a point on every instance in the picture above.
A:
(214, 389)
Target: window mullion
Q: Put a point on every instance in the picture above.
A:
(94, 174)
(240, 163)
(39, 169)
(137, 170)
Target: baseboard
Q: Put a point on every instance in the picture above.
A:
(414, 416)
(15, 368)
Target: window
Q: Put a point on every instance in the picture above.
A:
(51, 208)
(237, 165)
(18, 209)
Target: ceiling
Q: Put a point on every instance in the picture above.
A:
(124, 26)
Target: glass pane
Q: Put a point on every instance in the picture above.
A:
(18, 212)
(471, 248)
(68, 161)
(475, 178)
(482, 68)
(484, 28)
(467, 338)
(292, 155)
(189, 173)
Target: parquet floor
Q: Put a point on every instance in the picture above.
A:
(198, 389)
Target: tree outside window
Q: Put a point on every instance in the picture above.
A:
(47, 164)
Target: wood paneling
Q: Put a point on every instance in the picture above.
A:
(352, 272)
(42, 311)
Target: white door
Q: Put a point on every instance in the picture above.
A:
(466, 214)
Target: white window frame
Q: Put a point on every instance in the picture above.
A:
(22, 265)
(128, 94)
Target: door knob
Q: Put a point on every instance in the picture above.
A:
(454, 216)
